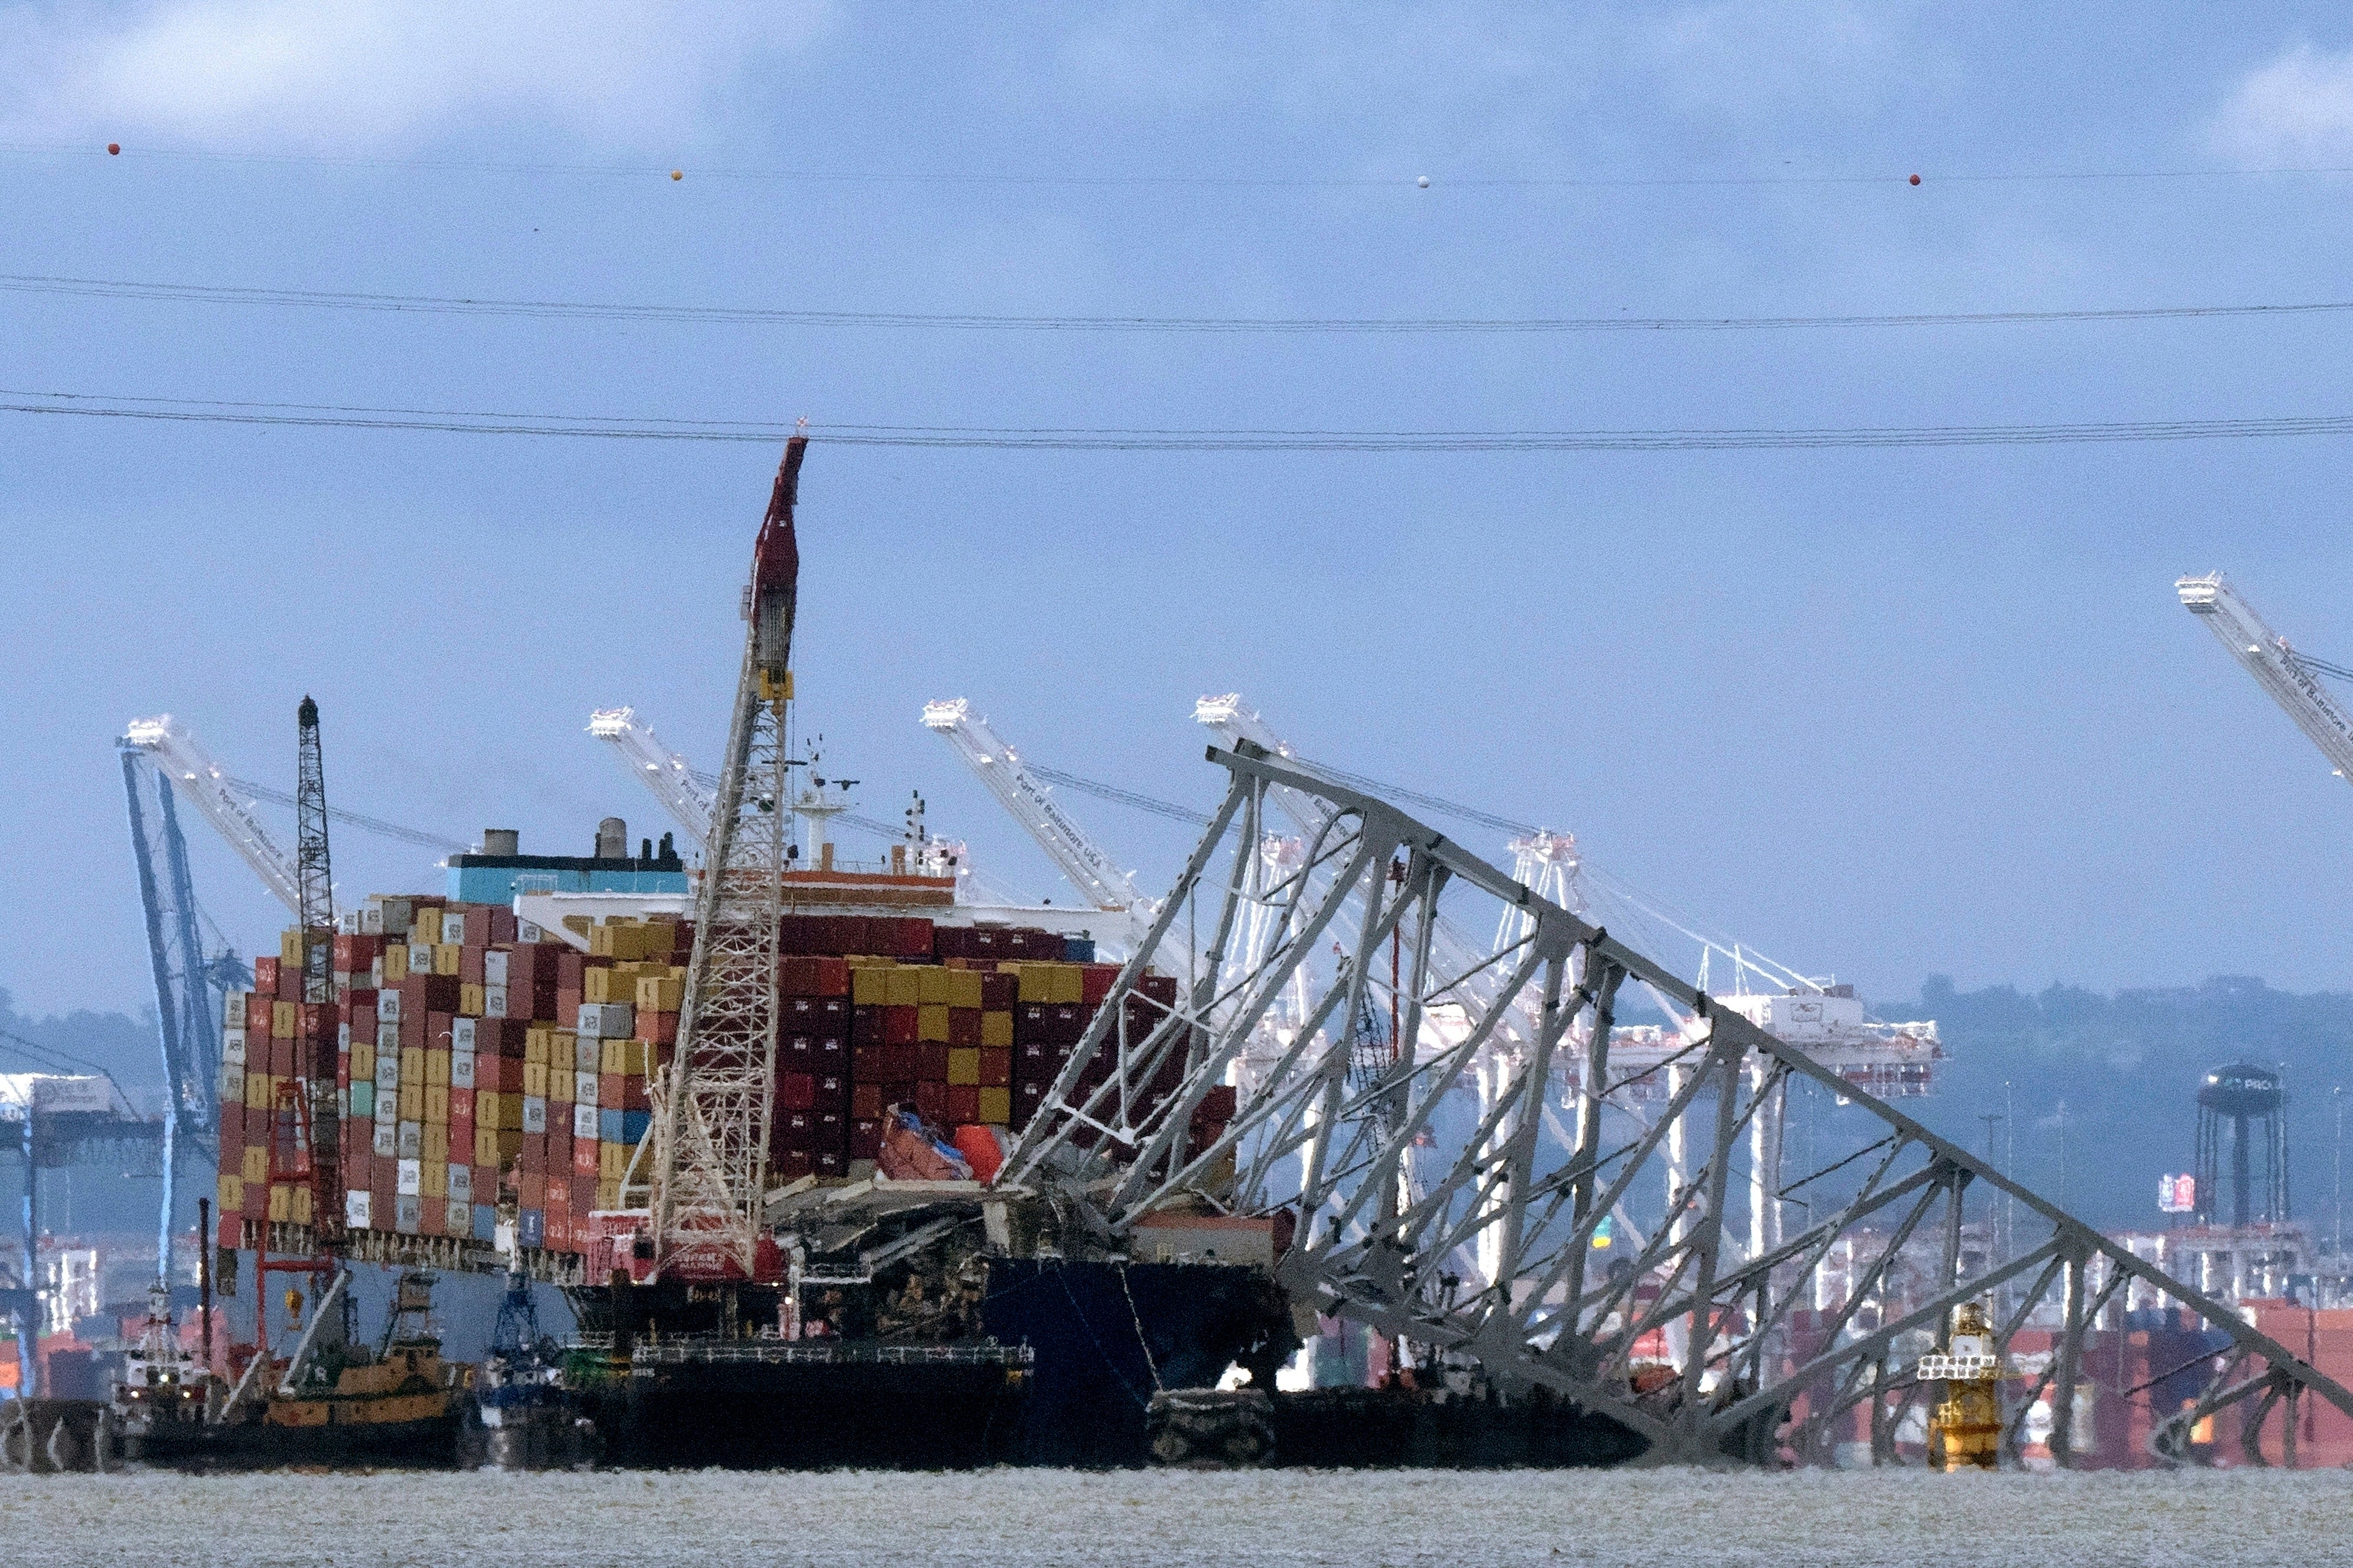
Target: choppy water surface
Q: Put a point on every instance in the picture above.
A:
(1273, 1517)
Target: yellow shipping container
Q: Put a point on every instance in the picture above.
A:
(612, 1161)
(997, 1030)
(609, 1194)
(395, 963)
(601, 939)
(289, 947)
(412, 1102)
(996, 1106)
(436, 1066)
(963, 988)
(486, 1107)
(298, 1204)
(231, 1195)
(1036, 984)
(412, 1064)
(437, 1104)
(281, 1203)
(870, 986)
(964, 1065)
(260, 1092)
(433, 1180)
(612, 1056)
(932, 987)
(363, 1061)
(285, 1020)
(606, 985)
(445, 957)
(433, 1141)
(932, 1024)
(534, 1078)
(257, 1164)
(471, 1000)
(486, 1140)
(907, 984)
(660, 994)
(559, 1093)
(537, 1046)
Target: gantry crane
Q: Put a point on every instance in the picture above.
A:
(2290, 679)
(1096, 875)
(216, 797)
(676, 786)
(716, 1094)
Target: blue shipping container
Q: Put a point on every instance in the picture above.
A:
(533, 1229)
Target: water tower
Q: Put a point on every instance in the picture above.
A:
(2245, 1106)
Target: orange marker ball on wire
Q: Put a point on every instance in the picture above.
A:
(1916, 179)
(114, 149)
(677, 174)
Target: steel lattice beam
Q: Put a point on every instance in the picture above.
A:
(1718, 1340)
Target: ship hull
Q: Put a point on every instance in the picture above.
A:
(262, 1444)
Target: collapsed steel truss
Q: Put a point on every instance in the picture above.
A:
(1616, 1256)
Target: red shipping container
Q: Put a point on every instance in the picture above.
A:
(1217, 1106)
(790, 1165)
(532, 1161)
(584, 1195)
(289, 983)
(559, 1194)
(915, 938)
(502, 925)
(608, 1090)
(796, 1090)
(828, 1129)
(559, 1142)
(830, 1161)
(865, 1137)
(265, 977)
(432, 1218)
(931, 1102)
(635, 1095)
(461, 1132)
(585, 1155)
(477, 925)
(657, 1028)
(826, 1015)
(963, 1027)
(469, 964)
(530, 1188)
(995, 1069)
(833, 1090)
(999, 993)
(232, 1129)
(865, 1100)
(461, 1103)
(931, 1063)
(963, 1103)
(1095, 982)
(981, 1151)
(813, 976)
(794, 1130)
(866, 1063)
(567, 1007)
(281, 1058)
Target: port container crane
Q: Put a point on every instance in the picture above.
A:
(217, 797)
(2290, 679)
(1096, 875)
(717, 1093)
(676, 786)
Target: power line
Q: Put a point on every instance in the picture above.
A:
(1065, 438)
(574, 310)
(1202, 179)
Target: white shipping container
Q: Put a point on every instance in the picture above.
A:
(584, 1091)
(584, 1122)
(458, 1219)
(494, 968)
(461, 1184)
(357, 1203)
(342, 1037)
(388, 1008)
(232, 1083)
(527, 930)
(587, 1054)
(387, 1039)
(412, 1140)
(461, 1070)
(409, 1178)
(376, 973)
(607, 1020)
(421, 958)
(233, 1045)
(386, 1143)
(387, 1071)
(461, 1034)
(494, 1001)
(233, 1010)
(407, 1214)
(534, 1114)
(372, 920)
(387, 1115)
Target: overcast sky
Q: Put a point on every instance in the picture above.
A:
(1880, 713)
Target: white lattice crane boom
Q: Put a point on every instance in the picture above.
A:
(201, 784)
(1096, 875)
(716, 1095)
(661, 770)
(2287, 677)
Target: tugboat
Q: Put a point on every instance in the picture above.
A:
(527, 1421)
(336, 1401)
(163, 1386)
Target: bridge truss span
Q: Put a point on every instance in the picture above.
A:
(1471, 1168)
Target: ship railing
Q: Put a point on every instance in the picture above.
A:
(824, 1353)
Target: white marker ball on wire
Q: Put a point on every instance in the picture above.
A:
(1423, 181)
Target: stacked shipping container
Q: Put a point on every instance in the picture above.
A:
(481, 1063)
